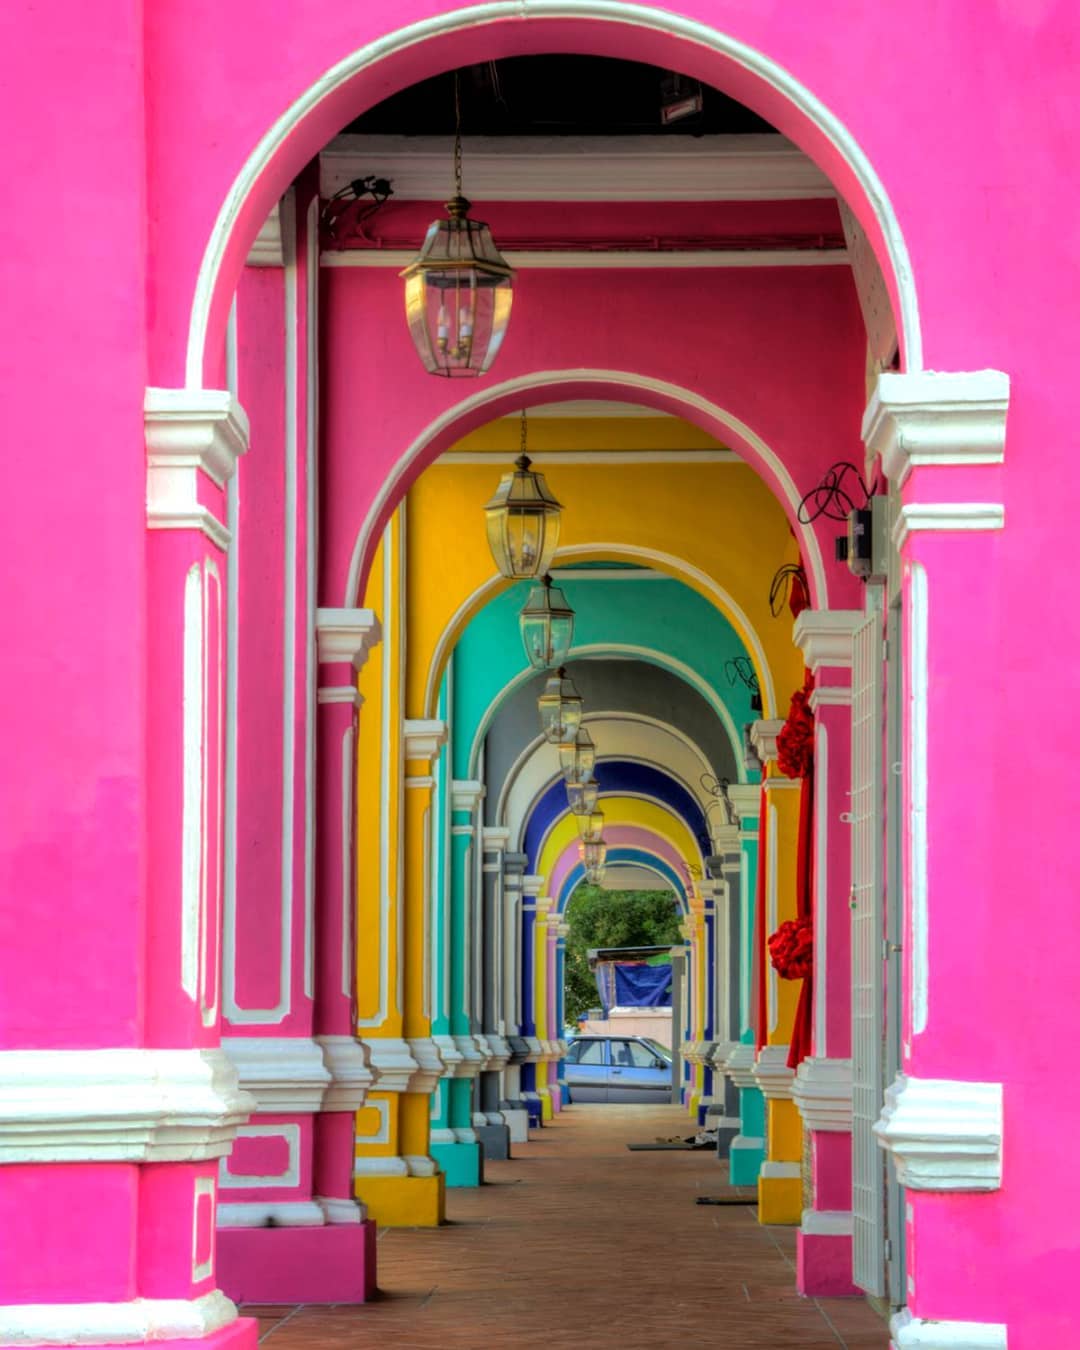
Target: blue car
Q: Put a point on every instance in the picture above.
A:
(626, 1069)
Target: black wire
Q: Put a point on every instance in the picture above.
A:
(836, 496)
(739, 671)
(782, 582)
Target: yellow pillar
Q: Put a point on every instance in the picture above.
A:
(780, 1178)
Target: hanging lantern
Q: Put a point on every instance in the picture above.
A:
(593, 854)
(595, 875)
(581, 797)
(590, 828)
(459, 287)
(547, 626)
(523, 521)
(561, 707)
(577, 759)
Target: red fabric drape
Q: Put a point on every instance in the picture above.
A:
(802, 1030)
(758, 983)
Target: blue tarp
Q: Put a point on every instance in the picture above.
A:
(641, 986)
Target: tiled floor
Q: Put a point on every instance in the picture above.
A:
(579, 1242)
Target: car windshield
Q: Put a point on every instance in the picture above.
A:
(661, 1050)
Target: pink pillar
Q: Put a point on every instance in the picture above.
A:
(822, 1087)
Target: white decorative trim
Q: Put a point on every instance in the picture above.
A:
(943, 1135)
(346, 634)
(746, 799)
(429, 1065)
(500, 1054)
(824, 636)
(827, 1223)
(763, 735)
(341, 693)
(939, 516)
(830, 696)
(420, 1165)
(337, 1210)
(931, 1333)
(271, 1214)
(754, 167)
(918, 682)
(495, 838)
(268, 249)
(423, 737)
(457, 1061)
(719, 1053)
(780, 1171)
(630, 259)
(388, 1166)
(739, 1067)
(927, 417)
(466, 794)
(392, 1062)
(188, 431)
(140, 1319)
(348, 1061)
(246, 1181)
(205, 1188)
(283, 1073)
(771, 1073)
(118, 1105)
(822, 1092)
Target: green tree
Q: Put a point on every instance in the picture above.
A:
(600, 918)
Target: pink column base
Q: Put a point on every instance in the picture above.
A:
(334, 1263)
(823, 1266)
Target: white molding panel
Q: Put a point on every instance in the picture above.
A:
(283, 1073)
(140, 1319)
(118, 1105)
(931, 1333)
(288, 1177)
(761, 167)
(943, 1135)
(822, 1092)
(936, 417)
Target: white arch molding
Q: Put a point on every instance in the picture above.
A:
(648, 741)
(645, 18)
(676, 568)
(609, 649)
(643, 386)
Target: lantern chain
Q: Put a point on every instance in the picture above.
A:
(457, 133)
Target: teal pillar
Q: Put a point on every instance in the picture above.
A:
(748, 1147)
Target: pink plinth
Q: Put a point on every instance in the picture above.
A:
(823, 1266)
(331, 1264)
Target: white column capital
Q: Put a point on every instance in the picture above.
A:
(466, 794)
(495, 838)
(188, 432)
(282, 1073)
(771, 1073)
(346, 634)
(532, 885)
(943, 1135)
(929, 417)
(824, 636)
(725, 838)
(822, 1092)
(423, 737)
(763, 735)
(746, 799)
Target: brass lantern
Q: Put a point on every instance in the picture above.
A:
(595, 875)
(590, 828)
(581, 797)
(547, 626)
(561, 707)
(593, 854)
(459, 287)
(523, 520)
(577, 759)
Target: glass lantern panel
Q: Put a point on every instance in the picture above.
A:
(455, 319)
(577, 759)
(581, 797)
(591, 827)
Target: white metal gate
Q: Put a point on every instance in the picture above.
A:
(867, 933)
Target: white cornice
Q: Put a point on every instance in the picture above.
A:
(739, 1067)
(958, 517)
(452, 1058)
(466, 794)
(822, 1092)
(140, 1320)
(771, 1073)
(348, 1062)
(763, 735)
(762, 167)
(932, 1333)
(346, 634)
(392, 1062)
(830, 696)
(500, 1052)
(340, 693)
(936, 417)
(725, 838)
(943, 1135)
(423, 737)
(267, 250)
(824, 636)
(746, 799)
(532, 884)
(524, 260)
(118, 1105)
(282, 1073)
(189, 431)
(495, 838)
(429, 1065)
